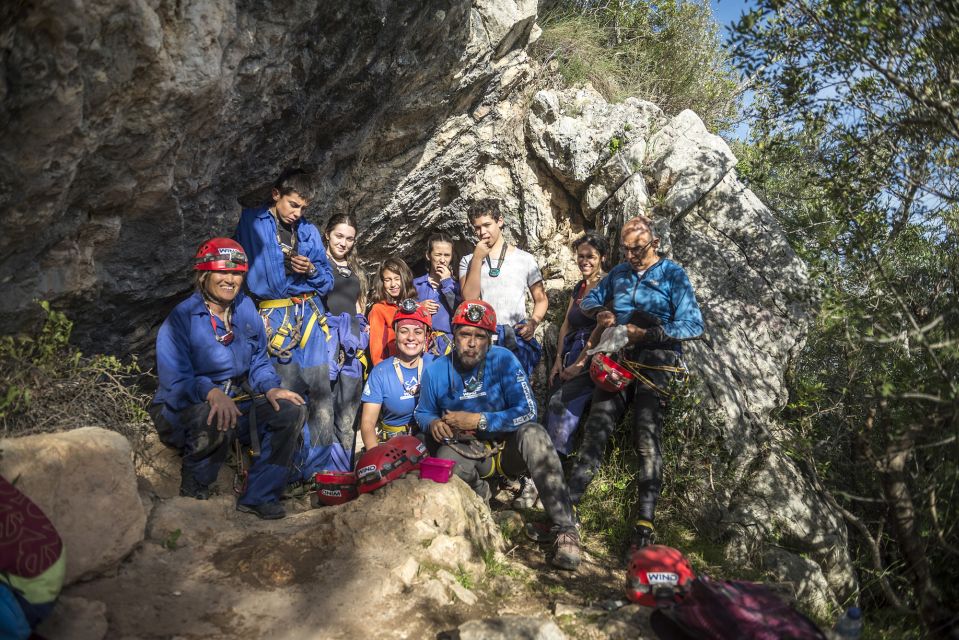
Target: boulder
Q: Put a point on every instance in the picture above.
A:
(206, 569)
(686, 161)
(85, 483)
(806, 578)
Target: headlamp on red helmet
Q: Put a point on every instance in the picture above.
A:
(609, 375)
(475, 313)
(409, 309)
(220, 254)
(658, 573)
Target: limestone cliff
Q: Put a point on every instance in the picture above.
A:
(132, 130)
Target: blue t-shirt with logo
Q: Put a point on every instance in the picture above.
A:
(398, 401)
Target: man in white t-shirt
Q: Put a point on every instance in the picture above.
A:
(501, 275)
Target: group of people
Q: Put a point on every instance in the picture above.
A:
(278, 353)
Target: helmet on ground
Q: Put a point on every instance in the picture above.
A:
(334, 487)
(657, 573)
(608, 374)
(475, 313)
(381, 465)
(411, 447)
(220, 254)
(411, 310)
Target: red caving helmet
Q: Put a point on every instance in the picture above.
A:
(381, 465)
(221, 254)
(411, 310)
(475, 313)
(658, 573)
(609, 375)
(334, 487)
(411, 447)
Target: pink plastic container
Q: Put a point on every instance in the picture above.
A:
(436, 469)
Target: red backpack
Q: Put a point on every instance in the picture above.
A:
(732, 610)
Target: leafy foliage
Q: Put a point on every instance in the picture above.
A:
(669, 53)
(48, 385)
(855, 147)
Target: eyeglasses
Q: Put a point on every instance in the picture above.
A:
(226, 338)
(637, 249)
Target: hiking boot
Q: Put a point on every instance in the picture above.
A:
(528, 496)
(191, 488)
(264, 511)
(567, 554)
(546, 532)
(643, 536)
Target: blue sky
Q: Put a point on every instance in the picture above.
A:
(727, 12)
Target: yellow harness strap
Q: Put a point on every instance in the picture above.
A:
(497, 467)
(634, 368)
(386, 430)
(285, 330)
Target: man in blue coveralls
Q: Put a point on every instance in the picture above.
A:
(289, 271)
(477, 402)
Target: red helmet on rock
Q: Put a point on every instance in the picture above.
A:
(657, 573)
(411, 310)
(475, 313)
(411, 447)
(381, 465)
(334, 487)
(221, 254)
(609, 375)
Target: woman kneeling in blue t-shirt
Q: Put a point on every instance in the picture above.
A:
(394, 384)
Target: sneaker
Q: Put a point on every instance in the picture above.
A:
(190, 488)
(264, 511)
(567, 554)
(643, 535)
(528, 496)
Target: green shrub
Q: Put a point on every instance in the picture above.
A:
(669, 53)
(49, 385)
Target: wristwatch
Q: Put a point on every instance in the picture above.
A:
(482, 425)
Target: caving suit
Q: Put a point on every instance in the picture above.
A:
(497, 388)
(351, 361)
(447, 296)
(662, 301)
(190, 363)
(569, 398)
(297, 331)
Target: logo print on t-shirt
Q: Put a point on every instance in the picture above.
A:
(411, 388)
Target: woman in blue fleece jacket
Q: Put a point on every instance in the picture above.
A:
(217, 383)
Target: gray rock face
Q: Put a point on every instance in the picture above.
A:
(511, 628)
(131, 131)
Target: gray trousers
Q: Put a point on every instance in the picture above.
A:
(526, 450)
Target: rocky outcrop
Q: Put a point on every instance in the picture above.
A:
(83, 480)
(375, 567)
(132, 129)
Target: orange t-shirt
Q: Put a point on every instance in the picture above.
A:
(382, 337)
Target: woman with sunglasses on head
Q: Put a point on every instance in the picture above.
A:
(216, 383)
(393, 388)
(345, 304)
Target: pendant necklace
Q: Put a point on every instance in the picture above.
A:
(494, 271)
